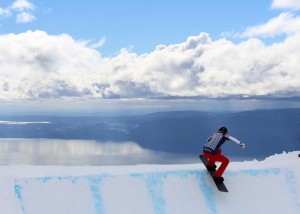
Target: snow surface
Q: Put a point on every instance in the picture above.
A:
(269, 186)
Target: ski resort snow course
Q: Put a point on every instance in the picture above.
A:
(269, 186)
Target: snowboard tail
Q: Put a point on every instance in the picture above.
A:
(221, 186)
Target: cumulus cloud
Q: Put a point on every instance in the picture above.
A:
(21, 9)
(37, 65)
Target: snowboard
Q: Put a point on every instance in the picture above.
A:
(221, 186)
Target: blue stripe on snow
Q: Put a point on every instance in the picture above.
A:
(261, 172)
(154, 183)
(292, 183)
(202, 176)
(95, 187)
(18, 192)
(207, 191)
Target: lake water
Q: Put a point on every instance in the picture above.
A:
(18, 151)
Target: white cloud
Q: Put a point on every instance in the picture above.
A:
(37, 65)
(98, 44)
(286, 4)
(4, 12)
(285, 23)
(21, 9)
(25, 17)
(22, 5)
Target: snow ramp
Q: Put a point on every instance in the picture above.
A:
(269, 186)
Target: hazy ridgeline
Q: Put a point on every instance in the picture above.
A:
(265, 132)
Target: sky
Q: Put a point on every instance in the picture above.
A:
(96, 50)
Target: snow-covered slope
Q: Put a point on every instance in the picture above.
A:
(269, 186)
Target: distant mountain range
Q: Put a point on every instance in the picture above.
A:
(265, 132)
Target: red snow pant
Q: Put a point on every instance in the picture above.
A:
(212, 158)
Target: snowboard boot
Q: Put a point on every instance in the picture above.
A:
(218, 179)
(211, 168)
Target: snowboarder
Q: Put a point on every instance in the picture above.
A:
(212, 150)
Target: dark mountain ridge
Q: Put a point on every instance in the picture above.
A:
(265, 132)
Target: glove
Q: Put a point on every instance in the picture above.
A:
(242, 145)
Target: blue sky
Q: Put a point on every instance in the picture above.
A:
(149, 50)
